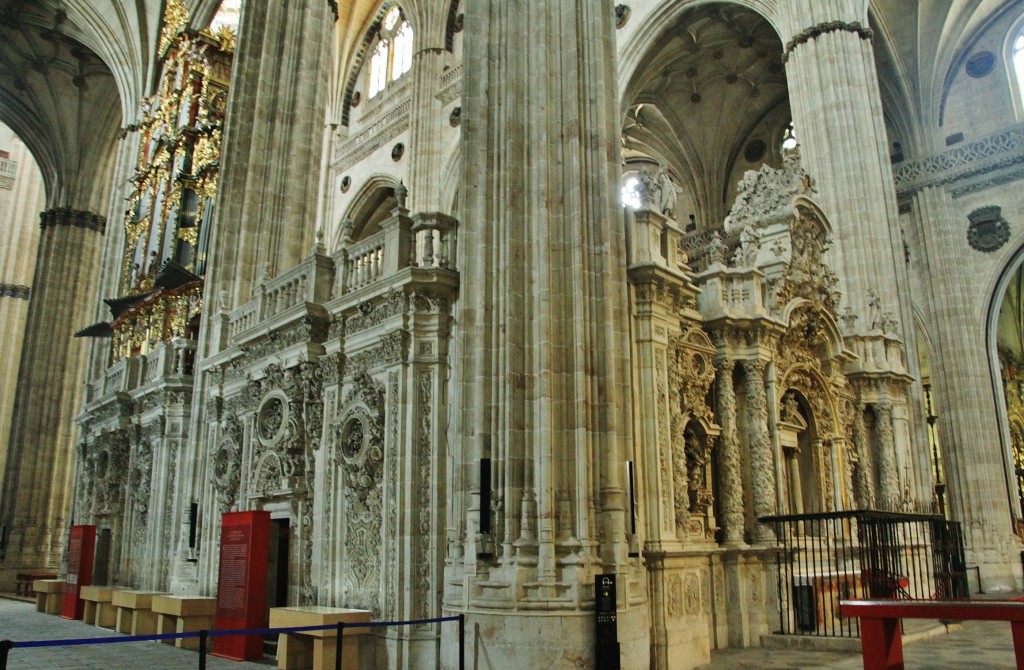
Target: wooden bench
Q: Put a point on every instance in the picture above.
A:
(184, 614)
(316, 649)
(23, 581)
(49, 595)
(135, 614)
(881, 640)
(98, 609)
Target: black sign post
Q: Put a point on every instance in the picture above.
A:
(607, 638)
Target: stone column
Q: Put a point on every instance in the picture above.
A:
(864, 481)
(888, 475)
(730, 478)
(425, 120)
(762, 461)
(19, 207)
(544, 380)
(843, 147)
(273, 141)
(971, 444)
(37, 476)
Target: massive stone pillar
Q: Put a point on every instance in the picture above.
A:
(273, 142)
(425, 116)
(973, 460)
(544, 387)
(37, 476)
(21, 200)
(844, 147)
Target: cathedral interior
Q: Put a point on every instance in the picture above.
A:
(483, 300)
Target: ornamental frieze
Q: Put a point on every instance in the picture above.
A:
(371, 313)
(391, 349)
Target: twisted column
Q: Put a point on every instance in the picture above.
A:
(762, 461)
(888, 475)
(730, 478)
(863, 481)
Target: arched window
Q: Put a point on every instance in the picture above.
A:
(1017, 57)
(392, 54)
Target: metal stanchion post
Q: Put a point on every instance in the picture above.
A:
(462, 642)
(341, 637)
(202, 650)
(5, 648)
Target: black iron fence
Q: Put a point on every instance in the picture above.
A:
(825, 558)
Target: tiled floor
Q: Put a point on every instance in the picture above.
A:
(977, 645)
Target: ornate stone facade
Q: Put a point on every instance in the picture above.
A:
(461, 377)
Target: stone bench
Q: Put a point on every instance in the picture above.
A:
(97, 608)
(49, 595)
(135, 614)
(317, 649)
(184, 614)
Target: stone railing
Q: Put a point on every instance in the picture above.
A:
(173, 358)
(309, 281)
(436, 240)
(364, 262)
(451, 85)
(698, 247)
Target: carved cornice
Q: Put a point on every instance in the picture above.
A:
(978, 158)
(383, 130)
(821, 29)
(65, 216)
(19, 291)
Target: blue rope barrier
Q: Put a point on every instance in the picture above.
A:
(219, 633)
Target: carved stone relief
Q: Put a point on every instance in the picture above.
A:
(358, 456)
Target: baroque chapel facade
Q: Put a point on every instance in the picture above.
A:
(482, 300)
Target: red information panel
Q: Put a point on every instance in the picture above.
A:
(242, 583)
(81, 548)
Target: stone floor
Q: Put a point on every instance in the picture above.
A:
(20, 622)
(973, 645)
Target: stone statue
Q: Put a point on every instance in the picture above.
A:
(667, 193)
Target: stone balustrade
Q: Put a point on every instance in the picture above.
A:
(173, 358)
(364, 263)
(436, 239)
(308, 282)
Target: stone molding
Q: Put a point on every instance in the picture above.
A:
(813, 32)
(19, 291)
(972, 159)
(65, 216)
(381, 131)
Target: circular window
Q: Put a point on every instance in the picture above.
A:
(397, 152)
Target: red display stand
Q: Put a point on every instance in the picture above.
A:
(242, 583)
(81, 548)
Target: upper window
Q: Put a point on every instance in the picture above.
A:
(1018, 61)
(392, 54)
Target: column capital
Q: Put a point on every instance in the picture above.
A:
(818, 29)
(65, 216)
